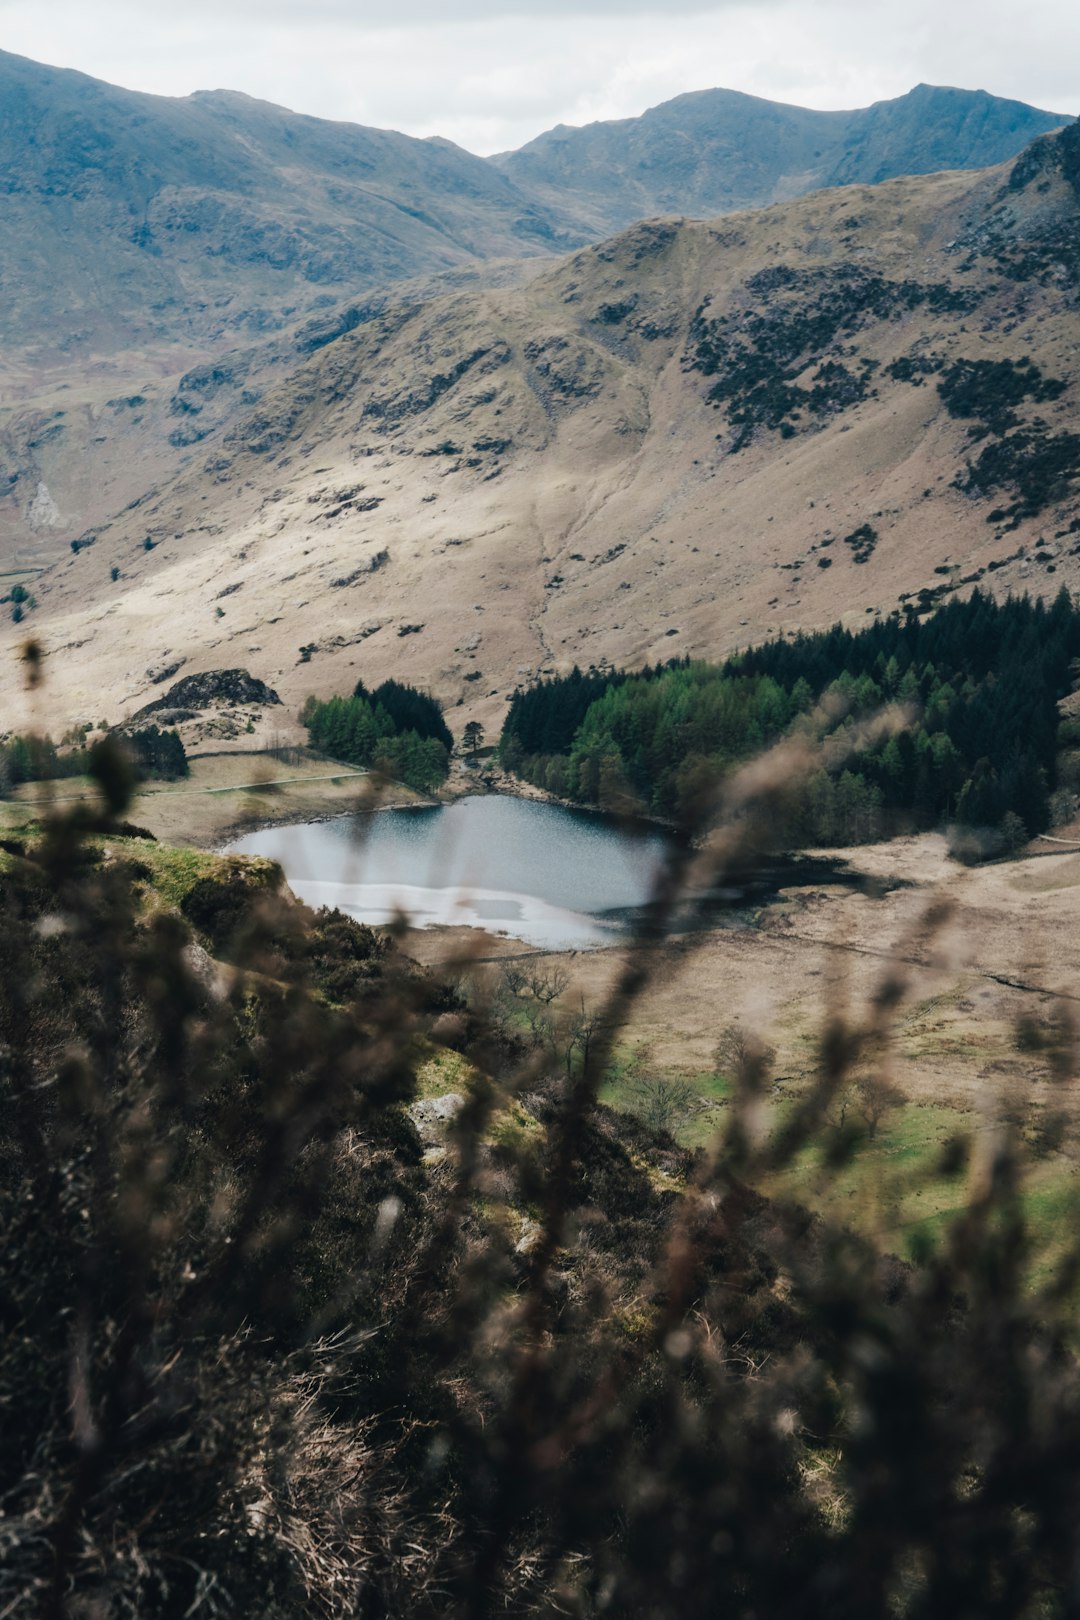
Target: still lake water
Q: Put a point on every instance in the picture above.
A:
(563, 879)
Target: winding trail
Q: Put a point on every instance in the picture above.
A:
(234, 787)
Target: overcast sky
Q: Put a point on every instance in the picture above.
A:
(491, 76)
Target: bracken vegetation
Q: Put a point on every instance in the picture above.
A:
(916, 723)
(1040, 467)
(262, 1354)
(20, 600)
(990, 390)
(761, 358)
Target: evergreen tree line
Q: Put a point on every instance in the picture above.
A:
(397, 729)
(37, 759)
(545, 718)
(157, 753)
(409, 710)
(153, 753)
(980, 683)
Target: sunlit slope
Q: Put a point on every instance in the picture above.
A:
(687, 438)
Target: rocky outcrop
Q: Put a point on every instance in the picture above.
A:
(196, 693)
(433, 1117)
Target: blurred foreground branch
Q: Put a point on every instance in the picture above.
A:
(268, 1350)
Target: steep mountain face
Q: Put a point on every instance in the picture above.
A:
(141, 225)
(677, 442)
(163, 262)
(717, 151)
(79, 444)
(143, 238)
(138, 221)
(936, 127)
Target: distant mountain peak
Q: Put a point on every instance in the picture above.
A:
(711, 152)
(218, 219)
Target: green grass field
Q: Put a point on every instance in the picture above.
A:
(896, 1188)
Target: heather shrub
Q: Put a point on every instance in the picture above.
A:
(267, 1350)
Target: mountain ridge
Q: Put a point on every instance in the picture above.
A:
(137, 222)
(218, 216)
(689, 155)
(532, 426)
(682, 440)
(155, 251)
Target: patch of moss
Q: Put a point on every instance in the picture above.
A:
(440, 1070)
(216, 901)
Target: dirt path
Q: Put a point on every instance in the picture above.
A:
(236, 787)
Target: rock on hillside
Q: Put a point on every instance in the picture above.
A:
(196, 692)
(716, 151)
(676, 442)
(219, 703)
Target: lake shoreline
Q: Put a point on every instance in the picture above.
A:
(502, 783)
(553, 877)
(463, 783)
(246, 827)
(546, 874)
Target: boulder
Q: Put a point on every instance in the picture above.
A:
(433, 1116)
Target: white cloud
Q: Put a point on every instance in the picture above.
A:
(491, 76)
(371, 14)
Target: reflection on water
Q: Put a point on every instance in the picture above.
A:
(556, 878)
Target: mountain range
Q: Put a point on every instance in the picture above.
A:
(132, 220)
(718, 151)
(322, 402)
(678, 441)
(135, 222)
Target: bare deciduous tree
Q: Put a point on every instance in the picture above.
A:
(513, 978)
(868, 1098)
(578, 1037)
(541, 1028)
(876, 1097)
(547, 987)
(658, 1100)
(740, 1053)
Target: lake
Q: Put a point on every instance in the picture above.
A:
(557, 878)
